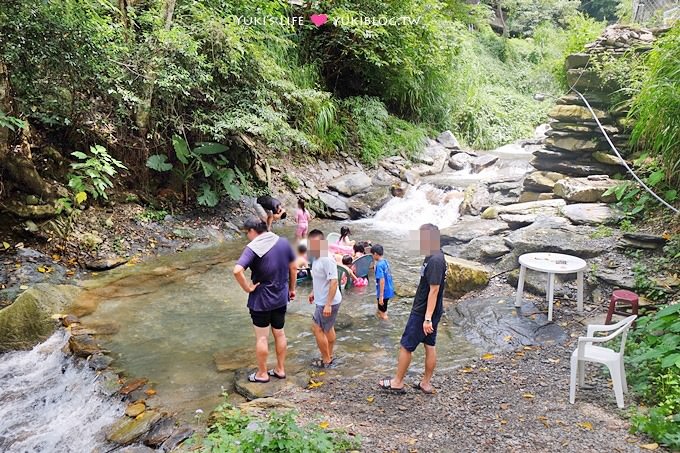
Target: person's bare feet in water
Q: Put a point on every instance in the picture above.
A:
(381, 315)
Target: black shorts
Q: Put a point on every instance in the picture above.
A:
(276, 318)
(383, 307)
(414, 334)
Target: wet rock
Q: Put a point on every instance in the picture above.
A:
(571, 240)
(28, 321)
(132, 385)
(36, 212)
(434, 158)
(127, 430)
(100, 362)
(343, 321)
(645, 237)
(69, 319)
(542, 181)
(101, 327)
(405, 290)
(398, 190)
(255, 390)
(544, 207)
(358, 209)
(368, 203)
(447, 139)
(135, 409)
(463, 276)
(105, 264)
(488, 323)
(469, 228)
(83, 345)
(585, 190)
(476, 198)
(351, 184)
(233, 359)
(334, 202)
(479, 163)
(590, 214)
(505, 186)
(459, 161)
(160, 433)
(178, 436)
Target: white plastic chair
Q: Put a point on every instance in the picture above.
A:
(332, 238)
(588, 352)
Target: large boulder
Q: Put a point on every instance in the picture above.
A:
(542, 181)
(432, 161)
(543, 207)
(585, 190)
(469, 228)
(590, 213)
(574, 113)
(544, 236)
(127, 429)
(480, 163)
(334, 202)
(464, 276)
(29, 320)
(447, 139)
(351, 184)
(374, 199)
(476, 198)
(459, 161)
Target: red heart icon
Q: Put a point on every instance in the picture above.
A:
(318, 19)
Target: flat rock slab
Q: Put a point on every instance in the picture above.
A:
(447, 139)
(590, 214)
(543, 207)
(105, 264)
(480, 163)
(127, 429)
(254, 390)
(483, 248)
(619, 278)
(469, 228)
(494, 324)
(571, 240)
(585, 190)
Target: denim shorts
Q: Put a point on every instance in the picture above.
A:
(413, 332)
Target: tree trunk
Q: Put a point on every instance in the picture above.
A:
(17, 160)
(143, 116)
(122, 6)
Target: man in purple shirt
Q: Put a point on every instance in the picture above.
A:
(273, 274)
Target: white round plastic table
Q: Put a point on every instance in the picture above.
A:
(551, 263)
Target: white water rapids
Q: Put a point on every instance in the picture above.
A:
(49, 403)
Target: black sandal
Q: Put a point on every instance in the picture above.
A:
(386, 384)
(253, 378)
(319, 363)
(273, 373)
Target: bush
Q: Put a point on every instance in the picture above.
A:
(654, 359)
(656, 108)
(235, 431)
(92, 174)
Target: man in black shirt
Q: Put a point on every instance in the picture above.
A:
(427, 310)
(269, 209)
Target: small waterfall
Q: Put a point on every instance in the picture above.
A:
(50, 403)
(421, 204)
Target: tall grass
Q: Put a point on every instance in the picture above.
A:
(656, 108)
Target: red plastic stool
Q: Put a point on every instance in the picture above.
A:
(629, 299)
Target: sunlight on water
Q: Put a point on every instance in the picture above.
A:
(48, 403)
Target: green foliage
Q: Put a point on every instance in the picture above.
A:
(656, 108)
(654, 370)
(235, 431)
(206, 161)
(627, 226)
(378, 133)
(10, 122)
(634, 200)
(151, 215)
(523, 16)
(92, 174)
(602, 231)
(603, 10)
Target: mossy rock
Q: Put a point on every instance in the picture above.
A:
(464, 276)
(28, 321)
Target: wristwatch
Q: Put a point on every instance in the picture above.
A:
(429, 321)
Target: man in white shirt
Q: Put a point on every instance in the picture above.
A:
(326, 295)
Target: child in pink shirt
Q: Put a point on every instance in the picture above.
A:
(302, 217)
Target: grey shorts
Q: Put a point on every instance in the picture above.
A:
(326, 323)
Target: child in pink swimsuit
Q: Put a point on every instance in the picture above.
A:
(302, 217)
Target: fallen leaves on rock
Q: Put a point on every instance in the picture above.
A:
(324, 425)
(586, 425)
(314, 384)
(652, 446)
(528, 395)
(488, 356)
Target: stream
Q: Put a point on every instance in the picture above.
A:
(175, 318)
